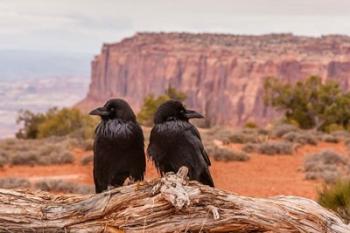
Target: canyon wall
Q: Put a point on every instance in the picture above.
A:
(221, 74)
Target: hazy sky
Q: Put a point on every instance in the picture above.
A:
(83, 25)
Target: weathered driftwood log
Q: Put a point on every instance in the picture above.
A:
(170, 204)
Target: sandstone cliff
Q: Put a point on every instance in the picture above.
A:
(221, 74)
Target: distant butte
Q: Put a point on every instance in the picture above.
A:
(221, 74)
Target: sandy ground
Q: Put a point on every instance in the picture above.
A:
(261, 176)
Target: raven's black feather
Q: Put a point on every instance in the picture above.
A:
(118, 147)
(175, 142)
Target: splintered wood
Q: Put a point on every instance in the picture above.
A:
(168, 204)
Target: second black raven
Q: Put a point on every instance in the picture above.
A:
(175, 142)
(118, 147)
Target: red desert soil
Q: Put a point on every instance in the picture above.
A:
(261, 176)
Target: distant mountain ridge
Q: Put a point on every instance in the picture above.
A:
(221, 74)
(18, 64)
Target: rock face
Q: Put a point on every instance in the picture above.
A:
(222, 75)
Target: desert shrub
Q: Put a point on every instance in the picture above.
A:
(262, 131)
(276, 148)
(250, 147)
(55, 122)
(310, 102)
(3, 161)
(210, 148)
(24, 158)
(270, 148)
(300, 137)
(14, 183)
(347, 143)
(326, 165)
(43, 155)
(226, 154)
(87, 159)
(32, 152)
(341, 134)
(151, 104)
(57, 157)
(87, 144)
(282, 129)
(60, 186)
(337, 198)
(217, 133)
(329, 138)
(242, 138)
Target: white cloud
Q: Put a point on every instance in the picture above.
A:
(83, 25)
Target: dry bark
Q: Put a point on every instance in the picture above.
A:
(169, 204)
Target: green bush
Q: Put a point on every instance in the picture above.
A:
(337, 198)
(66, 121)
(151, 104)
(30, 122)
(311, 103)
(250, 125)
(56, 123)
(333, 128)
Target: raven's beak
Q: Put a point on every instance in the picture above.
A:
(102, 111)
(193, 114)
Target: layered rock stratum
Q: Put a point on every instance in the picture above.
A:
(221, 74)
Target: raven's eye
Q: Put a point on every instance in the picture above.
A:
(111, 109)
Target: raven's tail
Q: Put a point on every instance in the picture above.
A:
(206, 178)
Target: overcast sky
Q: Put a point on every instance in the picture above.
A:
(83, 25)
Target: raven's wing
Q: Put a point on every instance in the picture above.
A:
(202, 173)
(199, 143)
(154, 152)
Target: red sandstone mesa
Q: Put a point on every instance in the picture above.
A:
(221, 74)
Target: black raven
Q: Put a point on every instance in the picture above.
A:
(175, 142)
(118, 147)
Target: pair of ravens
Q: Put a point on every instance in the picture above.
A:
(119, 144)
